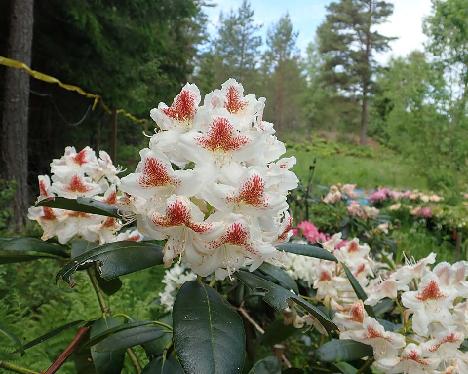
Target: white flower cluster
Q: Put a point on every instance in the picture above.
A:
(329, 278)
(174, 277)
(80, 174)
(435, 316)
(433, 307)
(211, 182)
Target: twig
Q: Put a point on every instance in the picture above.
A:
(134, 359)
(105, 309)
(366, 365)
(251, 320)
(82, 331)
(16, 368)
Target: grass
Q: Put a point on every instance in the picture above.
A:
(346, 163)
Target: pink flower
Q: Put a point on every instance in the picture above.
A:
(380, 195)
(311, 232)
(423, 212)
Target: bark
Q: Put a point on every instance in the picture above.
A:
(16, 106)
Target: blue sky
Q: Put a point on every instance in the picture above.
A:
(406, 22)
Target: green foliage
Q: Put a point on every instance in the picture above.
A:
(410, 104)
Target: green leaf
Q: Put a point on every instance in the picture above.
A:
(82, 204)
(106, 362)
(277, 275)
(343, 350)
(53, 333)
(109, 287)
(159, 365)
(361, 294)
(346, 368)
(12, 337)
(127, 335)
(115, 259)
(307, 250)
(267, 365)
(278, 297)
(29, 249)
(209, 335)
(383, 306)
(277, 332)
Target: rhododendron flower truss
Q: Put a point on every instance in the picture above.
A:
(212, 182)
(79, 174)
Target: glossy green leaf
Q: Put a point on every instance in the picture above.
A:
(267, 365)
(53, 333)
(115, 259)
(277, 275)
(361, 294)
(307, 250)
(346, 368)
(279, 297)
(159, 365)
(209, 335)
(128, 335)
(12, 337)
(383, 306)
(343, 350)
(106, 362)
(111, 286)
(277, 332)
(29, 249)
(81, 204)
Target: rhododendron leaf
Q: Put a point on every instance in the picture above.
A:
(346, 368)
(115, 259)
(267, 365)
(28, 249)
(12, 337)
(106, 362)
(307, 250)
(361, 294)
(277, 275)
(209, 335)
(109, 287)
(388, 325)
(277, 332)
(159, 365)
(81, 204)
(279, 298)
(127, 335)
(343, 350)
(53, 333)
(383, 306)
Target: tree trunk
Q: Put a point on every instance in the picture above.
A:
(364, 118)
(16, 106)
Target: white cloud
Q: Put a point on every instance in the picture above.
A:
(406, 24)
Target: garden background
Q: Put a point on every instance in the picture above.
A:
(347, 117)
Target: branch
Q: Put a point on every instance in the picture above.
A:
(105, 309)
(134, 359)
(250, 319)
(82, 331)
(15, 368)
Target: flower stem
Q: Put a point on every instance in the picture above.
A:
(15, 368)
(134, 359)
(105, 309)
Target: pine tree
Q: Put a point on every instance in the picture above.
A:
(283, 79)
(349, 42)
(237, 46)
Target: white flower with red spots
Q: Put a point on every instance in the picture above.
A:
(212, 182)
(430, 303)
(412, 360)
(384, 343)
(78, 174)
